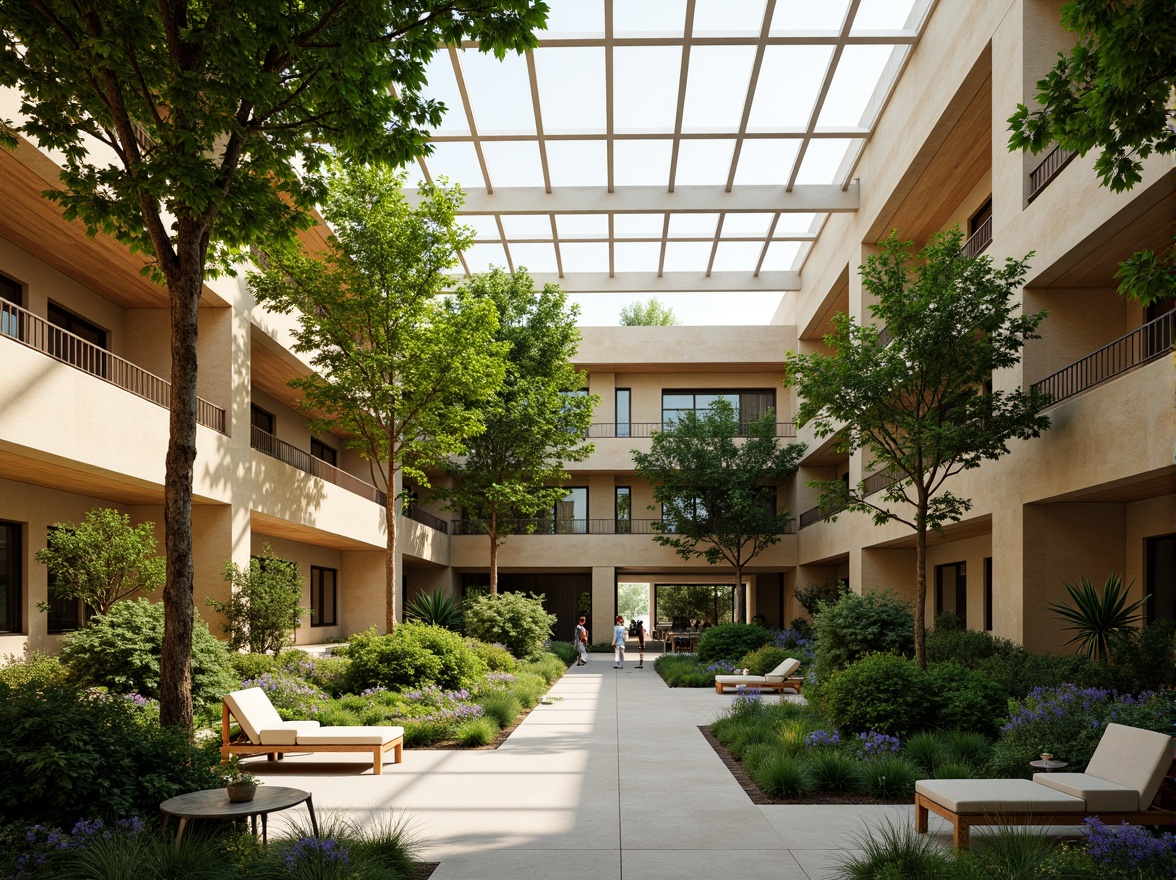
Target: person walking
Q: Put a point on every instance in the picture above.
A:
(581, 642)
(619, 642)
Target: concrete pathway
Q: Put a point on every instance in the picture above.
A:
(611, 781)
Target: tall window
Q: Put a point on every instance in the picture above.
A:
(571, 514)
(10, 292)
(10, 577)
(749, 405)
(260, 419)
(624, 411)
(323, 452)
(988, 593)
(951, 590)
(624, 510)
(323, 600)
(71, 351)
(1160, 577)
(64, 615)
(982, 216)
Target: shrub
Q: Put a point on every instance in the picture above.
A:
(763, 660)
(1018, 673)
(966, 646)
(412, 655)
(496, 657)
(502, 707)
(68, 754)
(952, 769)
(880, 692)
(889, 776)
(925, 749)
(855, 626)
(678, 670)
(811, 597)
(949, 621)
(968, 747)
(528, 687)
(782, 775)
(753, 755)
(246, 666)
(565, 651)
(32, 668)
(476, 732)
(435, 609)
(515, 621)
(1131, 850)
(833, 770)
(1142, 660)
(730, 641)
(802, 626)
(547, 666)
(263, 610)
(293, 697)
(895, 851)
(963, 699)
(120, 650)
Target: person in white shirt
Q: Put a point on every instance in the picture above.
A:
(619, 643)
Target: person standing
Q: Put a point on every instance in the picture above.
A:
(619, 642)
(581, 642)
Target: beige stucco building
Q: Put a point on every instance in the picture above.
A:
(83, 418)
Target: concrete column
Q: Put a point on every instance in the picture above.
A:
(361, 591)
(604, 603)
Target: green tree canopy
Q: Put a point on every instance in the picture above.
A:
(648, 313)
(266, 603)
(400, 369)
(535, 422)
(102, 559)
(918, 405)
(717, 491)
(211, 112)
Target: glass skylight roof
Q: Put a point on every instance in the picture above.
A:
(667, 145)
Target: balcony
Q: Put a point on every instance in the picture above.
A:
(624, 430)
(1049, 168)
(978, 241)
(28, 329)
(816, 514)
(418, 514)
(549, 526)
(1144, 344)
(307, 463)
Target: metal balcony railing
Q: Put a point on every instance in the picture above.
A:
(1049, 168)
(422, 516)
(607, 430)
(1151, 341)
(979, 240)
(270, 445)
(28, 329)
(549, 526)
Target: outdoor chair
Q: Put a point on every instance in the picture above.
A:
(1119, 785)
(779, 679)
(264, 732)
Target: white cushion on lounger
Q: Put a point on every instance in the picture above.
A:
(1100, 794)
(1133, 758)
(994, 796)
(741, 679)
(784, 670)
(287, 734)
(254, 712)
(351, 736)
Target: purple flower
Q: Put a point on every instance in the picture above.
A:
(872, 743)
(821, 738)
(313, 851)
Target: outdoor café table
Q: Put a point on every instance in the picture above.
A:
(214, 803)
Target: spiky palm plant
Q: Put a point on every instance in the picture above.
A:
(437, 609)
(1098, 618)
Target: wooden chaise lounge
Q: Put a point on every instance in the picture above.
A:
(264, 732)
(1119, 785)
(779, 679)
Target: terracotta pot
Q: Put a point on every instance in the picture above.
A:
(239, 794)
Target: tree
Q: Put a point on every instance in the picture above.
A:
(648, 313)
(400, 369)
(1112, 92)
(919, 406)
(265, 607)
(212, 112)
(102, 559)
(534, 424)
(717, 494)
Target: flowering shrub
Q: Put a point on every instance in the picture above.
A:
(312, 857)
(435, 704)
(1130, 849)
(42, 843)
(721, 667)
(1068, 722)
(871, 744)
(747, 695)
(819, 738)
(291, 696)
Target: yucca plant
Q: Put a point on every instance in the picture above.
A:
(437, 609)
(1098, 618)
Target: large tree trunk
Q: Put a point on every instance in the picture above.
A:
(493, 531)
(391, 503)
(175, 673)
(921, 590)
(737, 611)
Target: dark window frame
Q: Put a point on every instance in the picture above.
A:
(623, 524)
(12, 621)
(744, 418)
(71, 322)
(317, 617)
(11, 291)
(979, 217)
(1152, 578)
(324, 452)
(961, 589)
(255, 411)
(988, 594)
(64, 615)
(623, 428)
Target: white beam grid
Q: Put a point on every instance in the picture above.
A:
(757, 214)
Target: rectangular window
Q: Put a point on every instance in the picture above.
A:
(571, 514)
(624, 412)
(10, 292)
(1160, 577)
(983, 214)
(988, 594)
(71, 346)
(749, 404)
(323, 452)
(260, 419)
(624, 510)
(64, 615)
(323, 604)
(10, 577)
(951, 590)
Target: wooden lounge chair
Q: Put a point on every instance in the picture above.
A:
(779, 679)
(264, 732)
(1119, 785)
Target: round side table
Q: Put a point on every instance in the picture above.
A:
(214, 803)
(1049, 766)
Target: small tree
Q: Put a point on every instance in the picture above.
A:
(401, 368)
(102, 559)
(919, 404)
(533, 426)
(265, 608)
(718, 494)
(811, 597)
(510, 619)
(648, 313)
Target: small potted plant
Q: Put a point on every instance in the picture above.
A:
(240, 785)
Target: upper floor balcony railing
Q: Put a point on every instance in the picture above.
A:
(419, 514)
(1146, 343)
(625, 430)
(978, 241)
(28, 329)
(816, 514)
(1049, 168)
(304, 461)
(550, 526)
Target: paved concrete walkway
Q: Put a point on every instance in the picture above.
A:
(611, 781)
